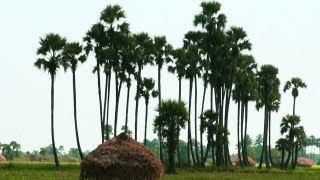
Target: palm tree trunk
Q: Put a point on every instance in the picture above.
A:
(265, 139)
(159, 89)
(145, 124)
(108, 103)
(52, 123)
(178, 146)
(105, 102)
(241, 133)
(201, 133)
(295, 157)
(294, 105)
(238, 135)
(127, 107)
(211, 97)
(226, 119)
(269, 119)
(180, 88)
(100, 103)
(118, 91)
(137, 105)
(195, 119)
(189, 147)
(75, 113)
(245, 134)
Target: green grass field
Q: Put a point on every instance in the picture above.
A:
(39, 170)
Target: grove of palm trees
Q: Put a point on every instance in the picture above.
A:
(218, 84)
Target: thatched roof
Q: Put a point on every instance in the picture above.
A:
(305, 162)
(123, 158)
(235, 159)
(2, 158)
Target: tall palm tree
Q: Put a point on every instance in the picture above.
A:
(162, 51)
(96, 41)
(295, 83)
(144, 49)
(147, 90)
(72, 54)
(112, 18)
(268, 83)
(50, 52)
(129, 57)
(192, 43)
(244, 92)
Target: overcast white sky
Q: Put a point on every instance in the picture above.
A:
(283, 33)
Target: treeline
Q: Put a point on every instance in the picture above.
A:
(215, 54)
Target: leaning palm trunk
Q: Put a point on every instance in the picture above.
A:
(105, 101)
(108, 103)
(201, 133)
(75, 113)
(52, 123)
(190, 147)
(100, 102)
(118, 91)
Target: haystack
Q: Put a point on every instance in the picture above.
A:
(2, 158)
(305, 162)
(235, 160)
(121, 158)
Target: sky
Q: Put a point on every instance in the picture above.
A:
(283, 33)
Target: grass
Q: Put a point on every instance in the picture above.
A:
(46, 170)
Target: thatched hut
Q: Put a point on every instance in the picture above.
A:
(305, 162)
(121, 158)
(2, 158)
(235, 160)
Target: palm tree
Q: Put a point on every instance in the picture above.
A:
(144, 50)
(209, 123)
(244, 92)
(295, 84)
(96, 40)
(282, 145)
(72, 54)
(178, 68)
(172, 117)
(129, 56)
(112, 18)
(192, 43)
(162, 51)
(147, 89)
(268, 84)
(50, 52)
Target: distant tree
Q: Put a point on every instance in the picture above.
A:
(61, 149)
(108, 131)
(125, 129)
(173, 114)
(74, 152)
(50, 52)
